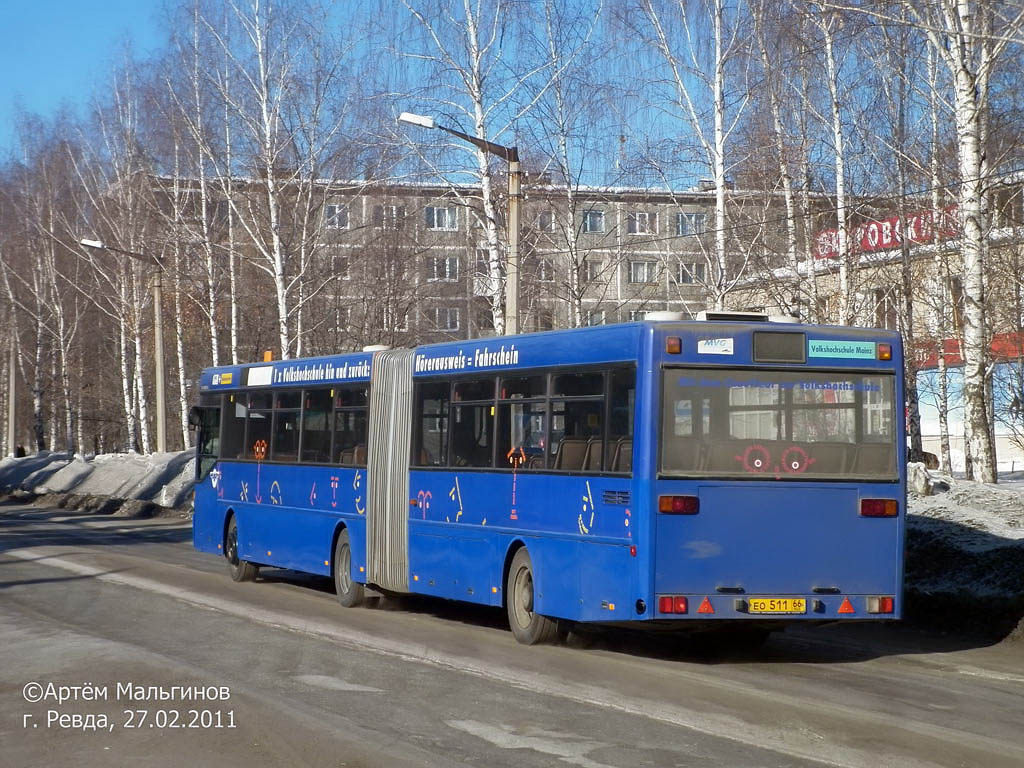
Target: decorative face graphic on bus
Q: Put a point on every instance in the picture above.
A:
(757, 459)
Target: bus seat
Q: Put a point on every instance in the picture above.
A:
(726, 455)
(622, 461)
(829, 458)
(595, 453)
(345, 458)
(874, 460)
(572, 452)
(684, 455)
(359, 455)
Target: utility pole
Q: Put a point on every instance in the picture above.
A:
(158, 367)
(10, 395)
(515, 196)
(511, 156)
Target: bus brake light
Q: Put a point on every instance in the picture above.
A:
(673, 604)
(679, 505)
(879, 507)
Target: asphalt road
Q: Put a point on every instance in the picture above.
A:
(416, 682)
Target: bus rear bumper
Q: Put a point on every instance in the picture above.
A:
(787, 608)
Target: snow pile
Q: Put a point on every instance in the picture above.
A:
(973, 516)
(163, 479)
(965, 556)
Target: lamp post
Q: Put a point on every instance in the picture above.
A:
(511, 156)
(158, 333)
(11, 410)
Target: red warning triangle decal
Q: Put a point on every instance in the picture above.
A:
(847, 606)
(705, 606)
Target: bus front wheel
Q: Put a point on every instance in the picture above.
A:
(528, 627)
(241, 570)
(350, 593)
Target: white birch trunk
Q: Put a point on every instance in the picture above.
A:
(968, 114)
(839, 148)
(718, 93)
(127, 385)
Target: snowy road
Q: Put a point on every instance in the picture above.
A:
(101, 600)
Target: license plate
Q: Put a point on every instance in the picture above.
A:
(777, 605)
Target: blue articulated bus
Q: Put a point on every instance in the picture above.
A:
(726, 472)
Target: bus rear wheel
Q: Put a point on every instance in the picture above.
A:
(350, 593)
(528, 627)
(241, 570)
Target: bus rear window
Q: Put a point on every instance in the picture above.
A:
(785, 425)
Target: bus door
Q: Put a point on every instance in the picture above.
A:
(204, 420)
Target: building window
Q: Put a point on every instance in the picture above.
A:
(691, 273)
(546, 221)
(340, 262)
(643, 271)
(388, 216)
(593, 221)
(595, 269)
(445, 318)
(336, 216)
(637, 314)
(480, 219)
(595, 317)
(545, 271)
(393, 319)
(691, 224)
(342, 317)
(444, 268)
(886, 309)
(642, 223)
(444, 219)
(545, 320)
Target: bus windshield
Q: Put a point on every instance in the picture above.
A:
(782, 425)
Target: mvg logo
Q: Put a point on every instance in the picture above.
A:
(715, 347)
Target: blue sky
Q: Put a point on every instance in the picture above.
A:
(58, 52)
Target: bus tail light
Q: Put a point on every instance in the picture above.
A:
(880, 604)
(879, 507)
(679, 505)
(673, 604)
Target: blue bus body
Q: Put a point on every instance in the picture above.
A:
(602, 548)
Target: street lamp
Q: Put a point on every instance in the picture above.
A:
(511, 156)
(158, 332)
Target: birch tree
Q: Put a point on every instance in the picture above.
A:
(965, 36)
(699, 81)
(472, 84)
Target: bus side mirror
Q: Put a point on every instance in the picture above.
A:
(195, 418)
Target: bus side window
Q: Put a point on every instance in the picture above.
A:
(522, 422)
(285, 442)
(472, 435)
(577, 428)
(621, 404)
(350, 416)
(258, 425)
(233, 427)
(430, 448)
(522, 433)
(317, 425)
